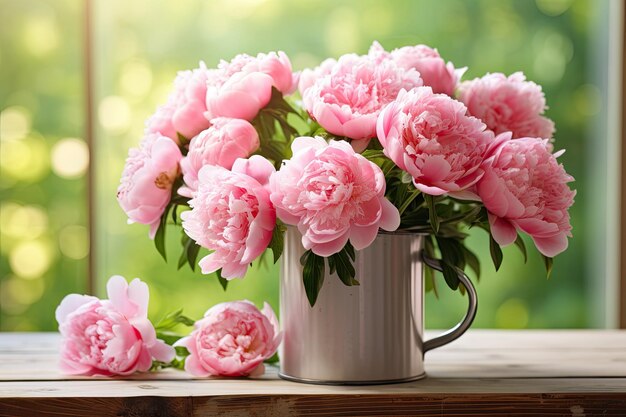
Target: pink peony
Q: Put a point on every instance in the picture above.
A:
(161, 122)
(441, 77)
(309, 76)
(109, 337)
(525, 188)
(221, 144)
(232, 215)
(508, 105)
(332, 194)
(233, 339)
(146, 185)
(243, 86)
(432, 138)
(184, 111)
(347, 100)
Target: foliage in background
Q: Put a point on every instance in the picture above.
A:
(43, 213)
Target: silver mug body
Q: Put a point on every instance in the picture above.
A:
(364, 334)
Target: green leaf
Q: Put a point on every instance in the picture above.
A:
(406, 201)
(189, 253)
(313, 276)
(496, 252)
(277, 243)
(519, 242)
(452, 257)
(223, 281)
(175, 213)
(192, 254)
(159, 237)
(472, 261)
(304, 257)
(373, 154)
(185, 242)
(549, 263)
(450, 275)
(429, 280)
(432, 212)
(272, 359)
(344, 268)
(350, 250)
(175, 363)
(168, 337)
(171, 320)
(429, 273)
(332, 267)
(181, 351)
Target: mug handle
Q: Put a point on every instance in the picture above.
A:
(464, 324)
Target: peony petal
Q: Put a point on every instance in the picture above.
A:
(139, 295)
(305, 142)
(234, 270)
(332, 247)
(72, 367)
(361, 128)
(371, 212)
(537, 227)
(258, 371)
(468, 194)
(70, 304)
(435, 169)
(209, 264)
(162, 352)
(362, 237)
(117, 290)
(502, 230)
(359, 145)
(196, 368)
(551, 246)
(144, 362)
(256, 167)
(390, 218)
(271, 316)
(428, 189)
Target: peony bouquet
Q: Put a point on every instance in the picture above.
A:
(387, 140)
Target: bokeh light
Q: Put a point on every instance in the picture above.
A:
(22, 222)
(15, 123)
(70, 158)
(41, 34)
(30, 259)
(25, 159)
(554, 7)
(18, 294)
(114, 114)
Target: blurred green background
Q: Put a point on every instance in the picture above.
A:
(139, 46)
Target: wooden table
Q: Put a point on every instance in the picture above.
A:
(486, 372)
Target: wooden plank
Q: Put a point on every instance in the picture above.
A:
(512, 373)
(479, 354)
(232, 387)
(478, 339)
(316, 405)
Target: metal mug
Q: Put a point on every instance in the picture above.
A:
(371, 333)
